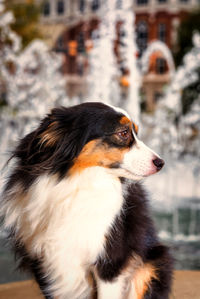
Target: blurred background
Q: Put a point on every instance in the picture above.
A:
(141, 55)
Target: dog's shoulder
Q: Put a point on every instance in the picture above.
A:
(132, 232)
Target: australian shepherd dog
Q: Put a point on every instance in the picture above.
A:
(76, 212)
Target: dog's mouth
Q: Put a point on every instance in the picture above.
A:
(140, 169)
(132, 173)
(142, 173)
(125, 173)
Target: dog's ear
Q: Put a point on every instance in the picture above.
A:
(55, 143)
(67, 132)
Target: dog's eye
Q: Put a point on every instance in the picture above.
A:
(124, 134)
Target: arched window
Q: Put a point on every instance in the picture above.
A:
(161, 66)
(142, 35)
(46, 8)
(60, 7)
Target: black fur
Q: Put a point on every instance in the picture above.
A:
(133, 233)
(74, 127)
(28, 264)
(133, 230)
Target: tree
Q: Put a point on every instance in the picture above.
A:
(187, 28)
(190, 94)
(26, 22)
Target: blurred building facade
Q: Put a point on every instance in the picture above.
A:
(69, 25)
(158, 20)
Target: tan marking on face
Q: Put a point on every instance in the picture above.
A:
(97, 153)
(126, 121)
(50, 136)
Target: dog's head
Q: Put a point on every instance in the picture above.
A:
(70, 140)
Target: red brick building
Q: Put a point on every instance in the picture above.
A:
(162, 25)
(154, 19)
(158, 20)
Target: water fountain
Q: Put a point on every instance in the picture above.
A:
(33, 86)
(102, 60)
(176, 190)
(32, 92)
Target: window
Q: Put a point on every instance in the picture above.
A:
(142, 35)
(60, 43)
(158, 96)
(142, 2)
(162, 1)
(119, 4)
(82, 5)
(46, 8)
(60, 7)
(95, 5)
(161, 66)
(81, 42)
(162, 32)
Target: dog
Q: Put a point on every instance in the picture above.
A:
(76, 213)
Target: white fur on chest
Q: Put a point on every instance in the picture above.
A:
(81, 210)
(92, 201)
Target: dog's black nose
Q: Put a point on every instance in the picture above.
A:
(159, 163)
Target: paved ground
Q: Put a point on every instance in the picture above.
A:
(186, 286)
(20, 290)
